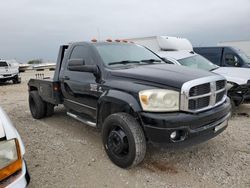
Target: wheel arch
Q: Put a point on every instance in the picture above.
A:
(33, 88)
(114, 102)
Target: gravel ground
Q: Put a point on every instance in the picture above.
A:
(62, 152)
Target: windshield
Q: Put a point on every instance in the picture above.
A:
(245, 58)
(3, 64)
(120, 55)
(198, 62)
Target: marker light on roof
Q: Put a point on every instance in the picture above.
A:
(117, 40)
(93, 40)
(124, 41)
(109, 40)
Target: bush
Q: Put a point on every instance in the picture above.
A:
(35, 61)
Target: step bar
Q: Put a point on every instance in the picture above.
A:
(87, 122)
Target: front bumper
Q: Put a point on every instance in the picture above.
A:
(197, 127)
(8, 78)
(19, 180)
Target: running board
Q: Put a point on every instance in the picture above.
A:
(89, 123)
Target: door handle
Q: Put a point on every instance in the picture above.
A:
(66, 78)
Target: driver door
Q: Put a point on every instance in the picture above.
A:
(77, 87)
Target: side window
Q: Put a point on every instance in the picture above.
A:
(78, 53)
(232, 60)
(212, 55)
(82, 52)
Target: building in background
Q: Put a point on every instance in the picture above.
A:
(242, 44)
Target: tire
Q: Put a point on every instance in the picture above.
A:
(49, 109)
(123, 130)
(37, 105)
(16, 81)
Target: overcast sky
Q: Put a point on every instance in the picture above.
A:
(32, 29)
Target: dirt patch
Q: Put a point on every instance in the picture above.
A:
(243, 114)
(160, 166)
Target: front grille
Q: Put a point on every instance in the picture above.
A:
(7, 75)
(220, 84)
(199, 90)
(220, 96)
(198, 103)
(203, 94)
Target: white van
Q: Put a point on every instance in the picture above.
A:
(179, 51)
(9, 71)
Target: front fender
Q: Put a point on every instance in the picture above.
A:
(114, 101)
(120, 97)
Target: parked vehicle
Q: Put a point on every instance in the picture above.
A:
(43, 66)
(133, 97)
(224, 56)
(9, 70)
(179, 51)
(23, 67)
(13, 170)
(244, 45)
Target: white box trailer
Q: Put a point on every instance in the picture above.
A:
(164, 43)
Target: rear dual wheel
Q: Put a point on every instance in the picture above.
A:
(39, 108)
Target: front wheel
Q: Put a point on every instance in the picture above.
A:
(16, 80)
(123, 140)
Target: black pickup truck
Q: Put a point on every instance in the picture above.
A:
(133, 97)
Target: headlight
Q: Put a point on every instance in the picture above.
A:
(159, 100)
(10, 158)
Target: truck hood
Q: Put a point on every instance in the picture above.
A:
(236, 75)
(8, 131)
(169, 75)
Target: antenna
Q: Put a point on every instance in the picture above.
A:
(98, 33)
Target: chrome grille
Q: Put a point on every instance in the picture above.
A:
(220, 84)
(7, 75)
(202, 94)
(220, 96)
(199, 90)
(198, 103)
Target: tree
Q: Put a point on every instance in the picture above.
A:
(35, 61)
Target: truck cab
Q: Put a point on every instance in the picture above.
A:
(225, 56)
(133, 97)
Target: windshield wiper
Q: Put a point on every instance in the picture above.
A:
(150, 60)
(123, 62)
(213, 69)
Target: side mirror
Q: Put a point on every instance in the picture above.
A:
(79, 66)
(76, 62)
(85, 68)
